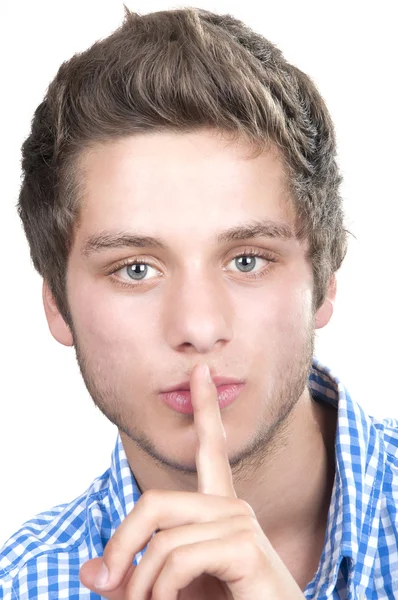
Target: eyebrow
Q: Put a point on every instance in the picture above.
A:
(121, 239)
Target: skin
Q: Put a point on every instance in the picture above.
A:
(198, 305)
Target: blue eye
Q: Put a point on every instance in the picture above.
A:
(248, 262)
(137, 269)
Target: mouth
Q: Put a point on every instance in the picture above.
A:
(218, 380)
(180, 400)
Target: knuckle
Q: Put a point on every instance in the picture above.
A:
(247, 523)
(248, 543)
(252, 551)
(150, 497)
(160, 543)
(176, 558)
(245, 508)
(248, 537)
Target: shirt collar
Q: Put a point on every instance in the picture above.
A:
(354, 513)
(356, 496)
(124, 492)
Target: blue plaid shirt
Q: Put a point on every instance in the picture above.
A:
(360, 554)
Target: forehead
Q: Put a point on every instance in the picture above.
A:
(181, 180)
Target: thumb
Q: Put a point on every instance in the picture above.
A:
(89, 572)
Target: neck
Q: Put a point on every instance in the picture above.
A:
(289, 490)
(290, 494)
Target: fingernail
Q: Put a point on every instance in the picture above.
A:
(206, 373)
(102, 577)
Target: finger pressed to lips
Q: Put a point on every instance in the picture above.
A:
(212, 464)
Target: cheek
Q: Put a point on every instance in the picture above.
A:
(284, 310)
(115, 343)
(110, 319)
(280, 329)
(120, 327)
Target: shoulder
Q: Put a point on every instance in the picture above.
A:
(46, 553)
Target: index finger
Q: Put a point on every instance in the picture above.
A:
(212, 464)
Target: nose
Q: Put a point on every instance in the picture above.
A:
(197, 314)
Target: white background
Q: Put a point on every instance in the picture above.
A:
(53, 442)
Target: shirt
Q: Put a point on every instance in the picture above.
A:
(360, 555)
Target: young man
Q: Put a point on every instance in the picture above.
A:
(181, 201)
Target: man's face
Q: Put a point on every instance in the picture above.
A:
(142, 329)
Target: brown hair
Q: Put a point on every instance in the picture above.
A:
(178, 70)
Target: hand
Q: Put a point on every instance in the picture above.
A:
(208, 544)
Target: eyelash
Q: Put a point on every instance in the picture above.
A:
(252, 253)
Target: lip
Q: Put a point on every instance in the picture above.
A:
(218, 380)
(180, 400)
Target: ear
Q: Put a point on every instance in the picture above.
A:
(325, 312)
(59, 329)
